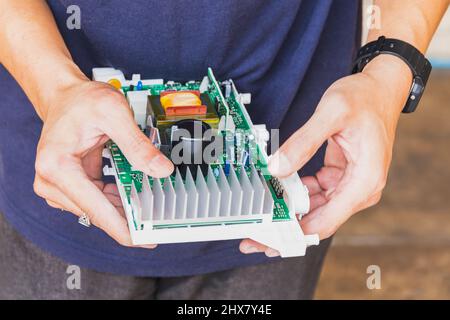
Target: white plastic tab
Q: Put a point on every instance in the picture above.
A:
(135, 78)
(152, 82)
(245, 98)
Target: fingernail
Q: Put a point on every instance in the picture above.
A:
(279, 164)
(149, 246)
(249, 249)
(161, 166)
(271, 253)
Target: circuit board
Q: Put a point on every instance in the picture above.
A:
(228, 107)
(221, 188)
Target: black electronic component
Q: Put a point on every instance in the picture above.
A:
(276, 185)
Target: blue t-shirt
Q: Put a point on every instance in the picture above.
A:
(285, 52)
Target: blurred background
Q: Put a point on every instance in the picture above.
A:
(408, 233)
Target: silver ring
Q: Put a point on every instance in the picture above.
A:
(84, 220)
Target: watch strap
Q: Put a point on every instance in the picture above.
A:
(418, 64)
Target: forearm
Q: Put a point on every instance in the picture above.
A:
(34, 52)
(413, 21)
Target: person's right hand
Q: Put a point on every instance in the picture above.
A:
(78, 122)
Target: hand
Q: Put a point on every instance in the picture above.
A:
(78, 122)
(357, 116)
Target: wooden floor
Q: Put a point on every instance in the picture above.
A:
(408, 234)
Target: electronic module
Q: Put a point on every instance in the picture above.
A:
(221, 188)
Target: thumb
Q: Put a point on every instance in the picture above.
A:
(138, 149)
(303, 144)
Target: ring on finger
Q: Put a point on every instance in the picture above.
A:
(84, 220)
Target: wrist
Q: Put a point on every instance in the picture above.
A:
(393, 78)
(51, 93)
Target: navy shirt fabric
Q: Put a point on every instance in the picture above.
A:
(285, 52)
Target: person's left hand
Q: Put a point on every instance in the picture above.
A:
(357, 116)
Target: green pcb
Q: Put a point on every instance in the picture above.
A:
(225, 106)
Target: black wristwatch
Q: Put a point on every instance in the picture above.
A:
(419, 65)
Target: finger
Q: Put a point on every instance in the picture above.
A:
(98, 183)
(316, 201)
(303, 144)
(271, 253)
(137, 148)
(111, 188)
(326, 219)
(74, 183)
(352, 193)
(334, 156)
(329, 177)
(323, 221)
(54, 204)
(312, 184)
(92, 163)
(248, 246)
(115, 200)
(111, 192)
(97, 207)
(54, 197)
(62, 203)
(121, 211)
